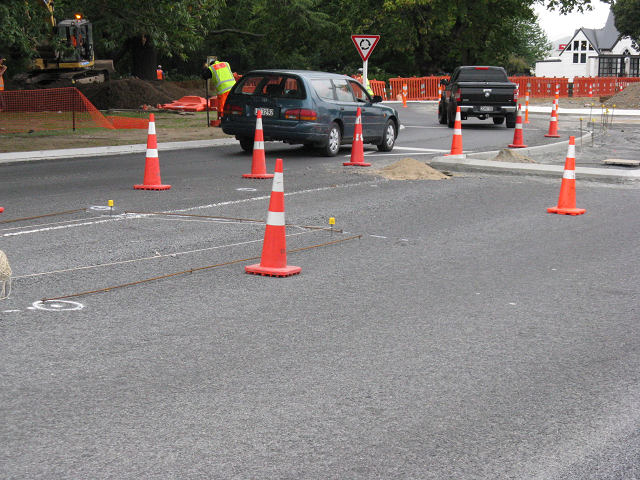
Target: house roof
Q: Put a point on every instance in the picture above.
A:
(602, 39)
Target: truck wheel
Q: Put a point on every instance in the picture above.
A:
(246, 143)
(451, 119)
(498, 120)
(442, 114)
(511, 120)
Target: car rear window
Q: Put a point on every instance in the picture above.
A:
(276, 86)
(488, 75)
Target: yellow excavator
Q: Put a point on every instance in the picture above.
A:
(76, 63)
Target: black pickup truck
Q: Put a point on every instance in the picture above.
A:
(482, 92)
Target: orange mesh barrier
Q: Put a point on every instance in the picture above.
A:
(53, 109)
(129, 123)
(378, 88)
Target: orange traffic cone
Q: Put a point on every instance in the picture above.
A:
(357, 148)
(456, 143)
(553, 124)
(517, 134)
(526, 108)
(567, 200)
(258, 165)
(151, 179)
(274, 248)
(404, 95)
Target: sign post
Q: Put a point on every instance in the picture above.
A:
(365, 45)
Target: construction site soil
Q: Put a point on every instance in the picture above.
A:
(129, 93)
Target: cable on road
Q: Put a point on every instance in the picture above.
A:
(192, 270)
(42, 216)
(228, 218)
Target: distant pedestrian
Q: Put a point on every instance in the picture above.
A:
(3, 68)
(221, 74)
(160, 73)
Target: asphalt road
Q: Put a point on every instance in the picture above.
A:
(466, 333)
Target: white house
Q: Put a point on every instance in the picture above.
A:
(593, 52)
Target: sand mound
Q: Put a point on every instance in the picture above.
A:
(627, 98)
(411, 169)
(507, 155)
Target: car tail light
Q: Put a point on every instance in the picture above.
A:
(301, 114)
(458, 95)
(231, 109)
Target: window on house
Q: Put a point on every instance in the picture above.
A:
(576, 44)
(634, 67)
(583, 45)
(583, 58)
(591, 47)
(568, 47)
(576, 57)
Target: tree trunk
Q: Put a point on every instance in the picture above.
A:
(144, 58)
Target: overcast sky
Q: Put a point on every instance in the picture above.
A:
(558, 26)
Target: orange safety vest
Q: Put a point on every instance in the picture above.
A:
(160, 74)
(1, 83)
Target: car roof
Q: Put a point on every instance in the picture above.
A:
(300, 73)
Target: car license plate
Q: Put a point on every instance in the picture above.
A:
(266, 112)
(486, 109)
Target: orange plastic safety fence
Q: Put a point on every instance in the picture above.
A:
(129, 123)
(418, 88)
(541, 87)
(54, 109)
(601, 86)
(378, 87)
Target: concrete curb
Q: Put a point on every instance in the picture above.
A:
(112, 150)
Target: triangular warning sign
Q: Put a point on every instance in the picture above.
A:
(365, 44)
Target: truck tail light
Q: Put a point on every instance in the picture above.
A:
(482, 68)
(301, 114)
(231, 109)
(458, 95)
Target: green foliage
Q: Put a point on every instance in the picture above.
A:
(418, 37)
(627, 15)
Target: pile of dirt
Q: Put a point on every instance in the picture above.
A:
(507, 155)
(127, 93)
(131, 93)
(411, 169)
(627, 98)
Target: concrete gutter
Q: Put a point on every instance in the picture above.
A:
(112, 150)
(463, 163)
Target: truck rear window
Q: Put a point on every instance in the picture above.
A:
(490, 75)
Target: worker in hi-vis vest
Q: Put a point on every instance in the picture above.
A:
(159, 73)
(221, 74)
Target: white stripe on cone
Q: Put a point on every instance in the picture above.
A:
(278, 182)
(275, 219)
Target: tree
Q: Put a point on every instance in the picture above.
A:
(627, 19)
(25, 24)
(144, 28)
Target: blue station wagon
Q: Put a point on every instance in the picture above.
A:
(311, 108)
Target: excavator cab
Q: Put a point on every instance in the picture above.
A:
(77, 34)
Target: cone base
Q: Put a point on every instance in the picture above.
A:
(152, 187)
(548, 135)
(566, 211)
(517, 146)
(257, 175)
(356, 164)
(453, 154)
(287, 271)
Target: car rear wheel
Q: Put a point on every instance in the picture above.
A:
(451, 119)
(332, 146)
(388, 137)
(498, 120)
(246, 143)
(511, 120)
